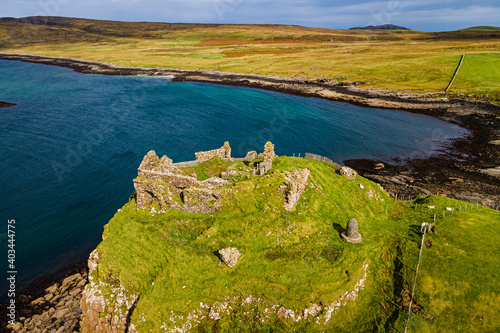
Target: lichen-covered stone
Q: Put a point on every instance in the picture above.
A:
(348, 172)
(150, 161)
(224, 153)
(269, 151)
(251, 155)
(229, 256)
(351, 233)
(295, 183)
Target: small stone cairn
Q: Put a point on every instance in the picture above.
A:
(348, 172)
(351, 233)
(229, 256)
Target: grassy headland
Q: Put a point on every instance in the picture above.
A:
(296, 259)
(394, 60)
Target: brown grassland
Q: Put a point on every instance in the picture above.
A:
(395, 60)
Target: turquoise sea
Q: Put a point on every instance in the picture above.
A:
(71, 146)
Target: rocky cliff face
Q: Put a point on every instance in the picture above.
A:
(105, 305)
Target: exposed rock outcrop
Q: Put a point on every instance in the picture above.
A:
(229, 256)
(224, 153)
(161, 183)
(105, 306)
(348, 172)
(295, 183)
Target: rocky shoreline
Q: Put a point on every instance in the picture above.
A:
(50, 305)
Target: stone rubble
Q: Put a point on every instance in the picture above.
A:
(58, 311)
(295, 183)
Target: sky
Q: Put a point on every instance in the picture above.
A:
(425, 15)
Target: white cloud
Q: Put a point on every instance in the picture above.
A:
(416, 14)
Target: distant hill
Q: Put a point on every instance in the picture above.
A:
(482, 28)
(381, 27)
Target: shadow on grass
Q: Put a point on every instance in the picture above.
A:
(338, 228)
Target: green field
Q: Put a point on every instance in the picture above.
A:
(395, 60)
(296, 259)
(480, 76)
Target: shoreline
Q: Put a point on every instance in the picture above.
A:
(467, 170)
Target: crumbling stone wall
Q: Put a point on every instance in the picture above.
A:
(224, 153)
(161, 183)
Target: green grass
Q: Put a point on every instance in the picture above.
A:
(479, 76)
(294, 259)
(459, 280)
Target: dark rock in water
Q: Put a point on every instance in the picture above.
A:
(381, 27)
(6, 104)
(351, 233)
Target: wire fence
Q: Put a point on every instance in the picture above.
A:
(435, 214)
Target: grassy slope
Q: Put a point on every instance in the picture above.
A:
(459, 279)
(400, 60)
(308, 263)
